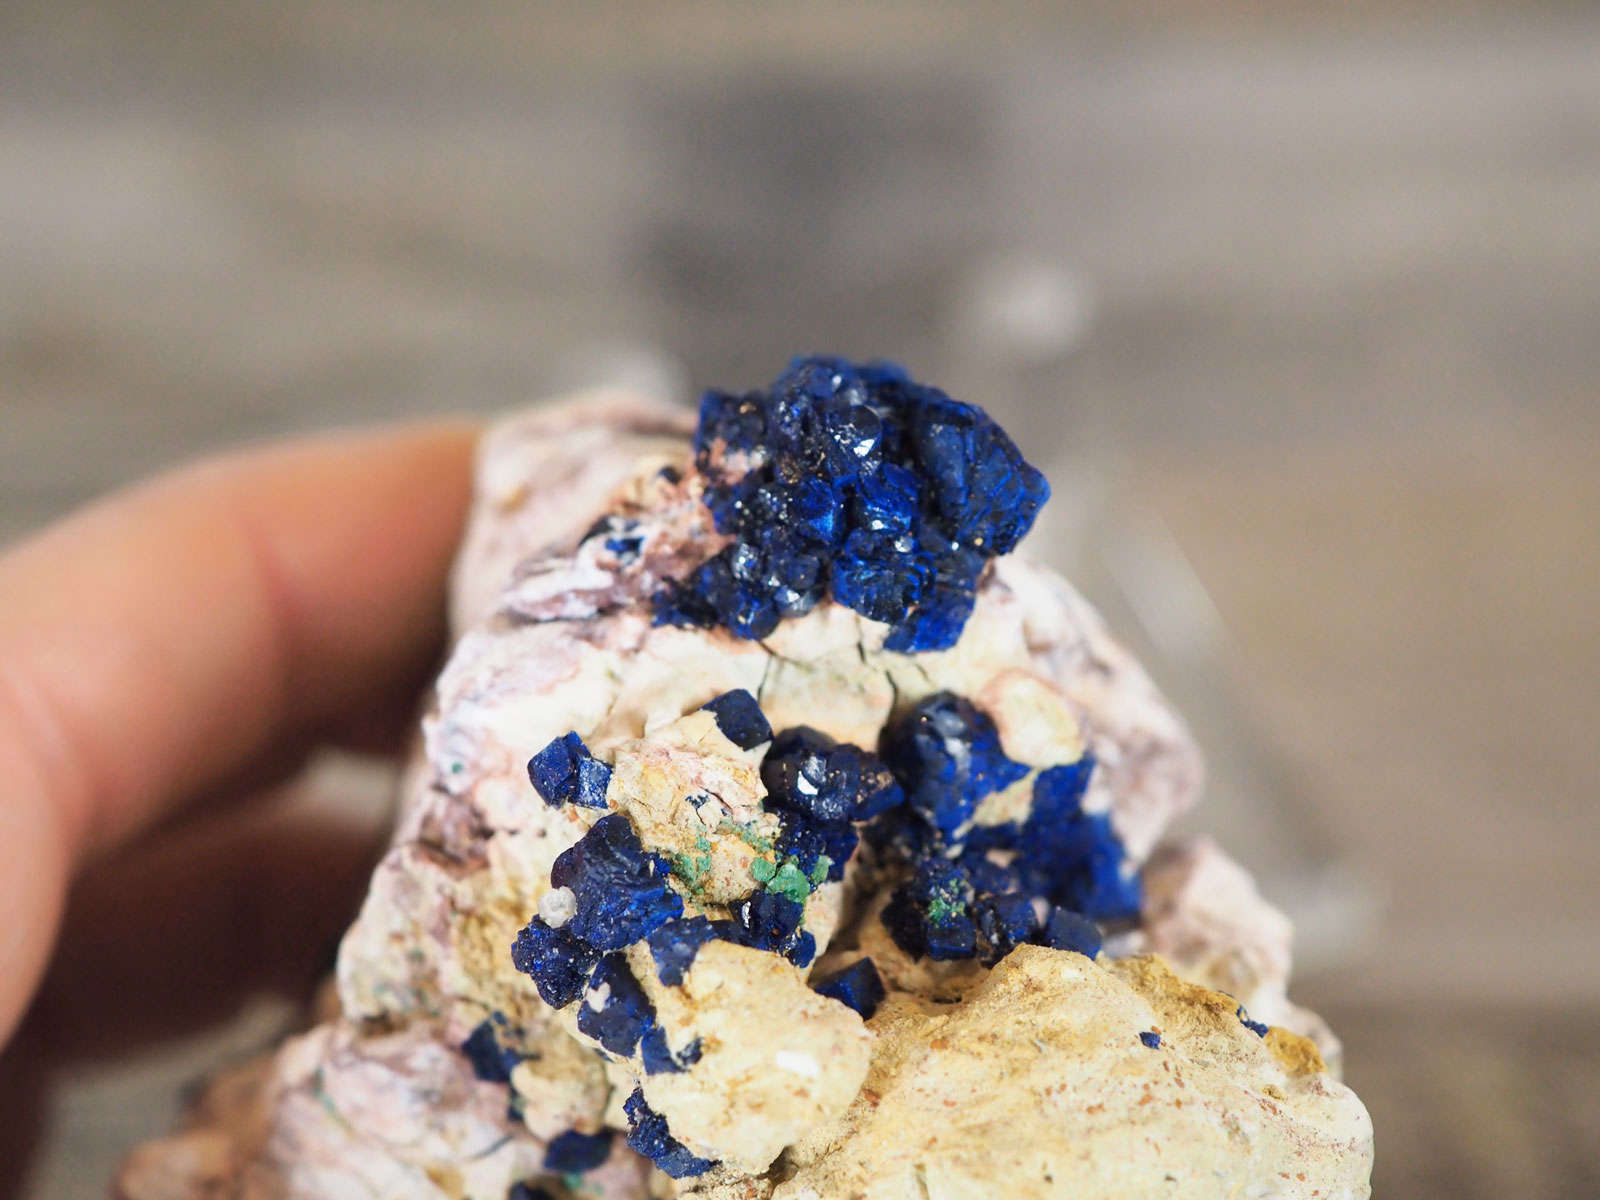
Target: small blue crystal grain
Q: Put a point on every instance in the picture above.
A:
(1255, 1027)
(615, 1011)
(564, 772)
(674, 946)
(740, 718)
(859, 986)
(491, 1062)
(621, 890)
(574, 1153)
(1067, 930)
(1152, 1039)
(558, 962)
(856, 482)
(946, 753)
(806, 771)
(772, 922)
(648, 1135)
(930, 914)
(659, 1057)
(1003, 922)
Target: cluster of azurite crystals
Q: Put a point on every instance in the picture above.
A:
(852, 481)
(969, 891)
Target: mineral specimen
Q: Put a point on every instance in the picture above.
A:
(778, 833)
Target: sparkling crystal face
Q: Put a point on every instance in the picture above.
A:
(852, 482)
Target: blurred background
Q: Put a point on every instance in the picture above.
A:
(1300, 310)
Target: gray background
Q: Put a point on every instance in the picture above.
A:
(1300, 307)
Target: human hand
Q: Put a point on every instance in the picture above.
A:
(187, 641)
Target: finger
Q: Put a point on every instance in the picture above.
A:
(176, 932)
(167, 638)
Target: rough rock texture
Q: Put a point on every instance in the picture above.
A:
(733, 1074)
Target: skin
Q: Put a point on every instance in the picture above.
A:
(167, 657)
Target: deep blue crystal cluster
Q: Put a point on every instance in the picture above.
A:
(855, 482)
(968, 890)
(980, 891)
(648, 1135)
(564, 772)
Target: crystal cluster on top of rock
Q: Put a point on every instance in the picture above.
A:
(855, 482)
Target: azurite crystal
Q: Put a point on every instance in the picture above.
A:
(853, 481)
(859, 985)
(674, 945)
(649, 1135)
(615, 1011)
(574, 1153)
(947, 755)
(491, 1062)
(622, 892)
(556, 961)
(564, 772)
(740, 718)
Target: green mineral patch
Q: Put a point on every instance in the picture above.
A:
(789, 880)
(763, 869)
(691, 868)
(747, 835)
(820, 871)
(942, 908)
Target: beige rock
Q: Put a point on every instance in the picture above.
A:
(1027, 1080)
(1036, 1085)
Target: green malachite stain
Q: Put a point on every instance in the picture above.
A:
(747, 835)
(942, 908)
(763, 869)
(790, 881)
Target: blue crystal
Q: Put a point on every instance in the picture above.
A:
(857, 480)
(675, 944)
(573, 1153)
(624, 1013)
(988, 877)
(491, 1062)
(564, 772)
(930, 914)
(740, 718)
(558, 963)
(859, 985)
(1004, 922)
(1076, 858)
(947, 755)
(1255, 1027)
(768, 921)
(622, 892)
(806, 772)
(1151, 1039)
(625, 548)
(879, 575)
(648, 1135)
(659, 1056)
(1067, 930)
